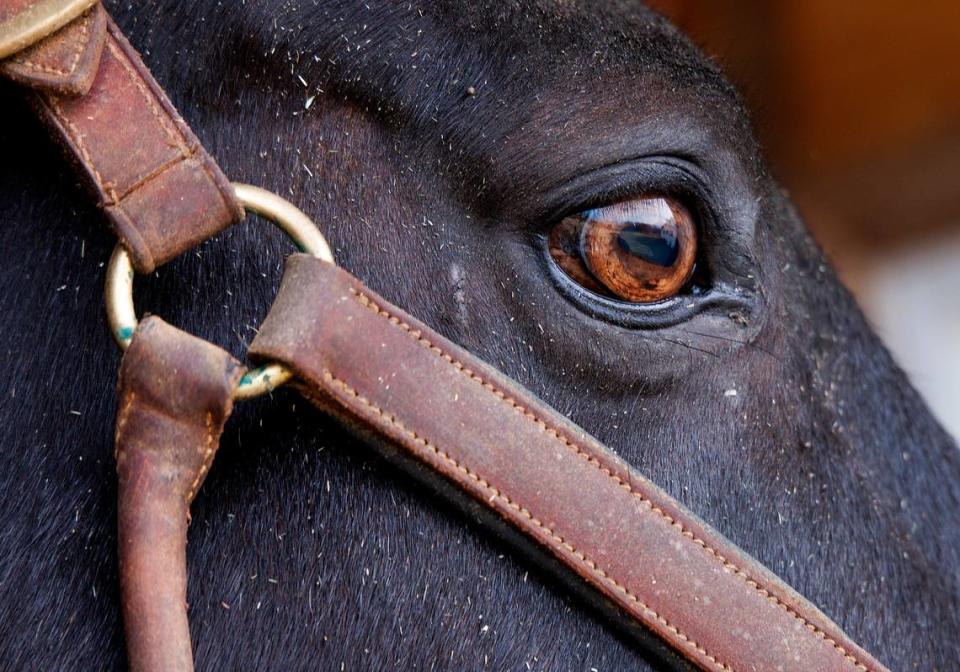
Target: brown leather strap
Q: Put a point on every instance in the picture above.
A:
(175, 394)
(376, 366)
(161, 191)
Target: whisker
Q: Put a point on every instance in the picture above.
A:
(735, 340)
(692, 347)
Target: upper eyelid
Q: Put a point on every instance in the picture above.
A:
(625, 179)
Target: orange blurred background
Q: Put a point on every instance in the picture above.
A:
(858, 107)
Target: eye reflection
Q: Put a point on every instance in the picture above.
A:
(656, 246)
(641, 250)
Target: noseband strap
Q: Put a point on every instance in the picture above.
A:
(368, 362)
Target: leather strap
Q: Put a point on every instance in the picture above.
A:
(377, 367)
(175, 394)
(161, 191)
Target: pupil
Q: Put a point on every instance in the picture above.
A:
(653, 244)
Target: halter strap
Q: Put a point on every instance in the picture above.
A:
(464, 425)
(175, 394)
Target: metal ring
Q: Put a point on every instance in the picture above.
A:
(300, 228)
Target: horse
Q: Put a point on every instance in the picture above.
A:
(438, 145)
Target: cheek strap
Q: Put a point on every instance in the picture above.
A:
(160, 190)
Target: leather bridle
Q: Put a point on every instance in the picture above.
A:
(458, 422)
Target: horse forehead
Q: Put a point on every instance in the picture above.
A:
(420, 58)
(492, 85)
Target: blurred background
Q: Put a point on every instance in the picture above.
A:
(858, 107)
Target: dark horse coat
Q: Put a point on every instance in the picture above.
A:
(440, 142)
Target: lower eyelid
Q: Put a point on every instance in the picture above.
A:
(718, 301)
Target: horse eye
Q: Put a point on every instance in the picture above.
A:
(642, 250)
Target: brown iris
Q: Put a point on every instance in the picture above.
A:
(642, 250)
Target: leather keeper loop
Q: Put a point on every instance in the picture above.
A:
(66, 62)
(163, 194)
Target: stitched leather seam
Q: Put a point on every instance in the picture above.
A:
(154, 173)
(368, 303)
(208, 447)
(108, 190)
(207, 460)
(77, 137)
(495, 493)
(162, 119)
(81, 43)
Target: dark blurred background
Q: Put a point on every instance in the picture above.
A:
(858, 106)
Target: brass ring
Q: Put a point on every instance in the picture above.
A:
(300, 228)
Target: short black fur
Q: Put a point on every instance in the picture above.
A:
(307, 551)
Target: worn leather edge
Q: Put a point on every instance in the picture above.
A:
(209, 165)
(40, 19)
(175, 394)
(314, 293)
(45, 66)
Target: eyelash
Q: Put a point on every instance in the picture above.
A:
(674, 177)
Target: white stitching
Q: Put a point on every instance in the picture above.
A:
(495, 493)
(81, 43)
